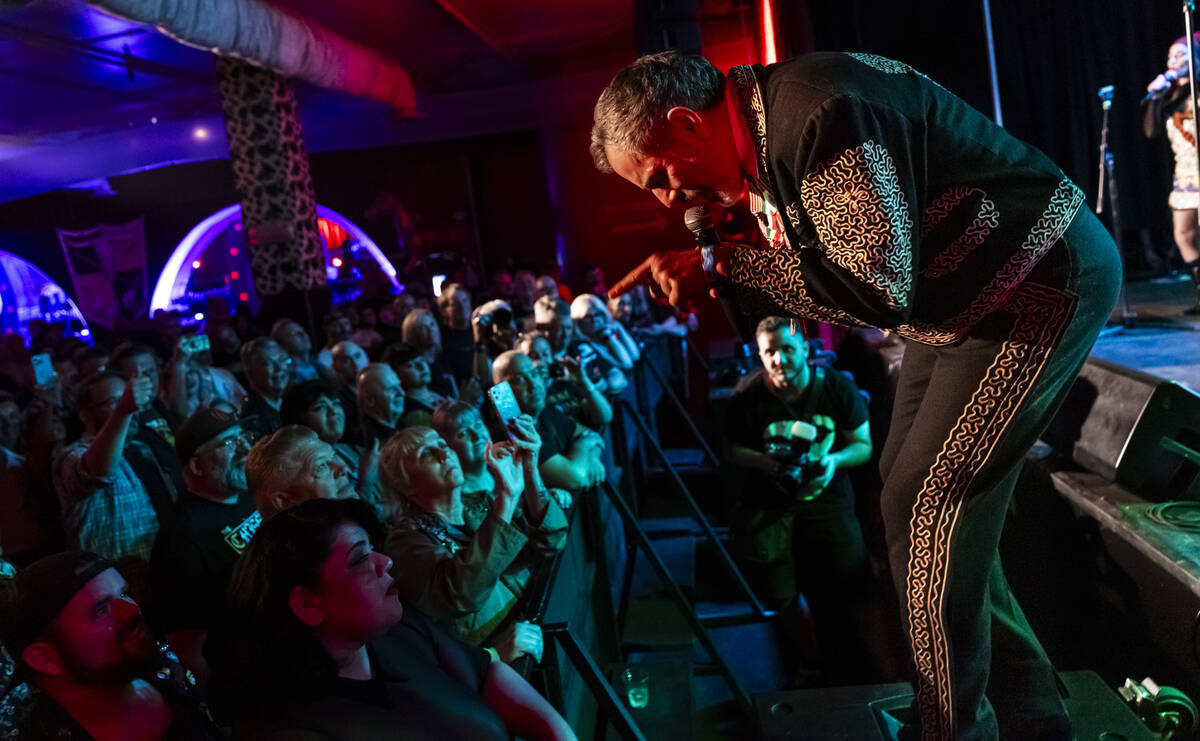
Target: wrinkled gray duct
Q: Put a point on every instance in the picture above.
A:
(263, 35)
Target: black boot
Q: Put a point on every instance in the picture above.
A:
(1194, 270)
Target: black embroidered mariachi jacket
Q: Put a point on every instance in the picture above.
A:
(896, 204)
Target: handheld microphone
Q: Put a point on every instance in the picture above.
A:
(1170, 76)
(699, 221)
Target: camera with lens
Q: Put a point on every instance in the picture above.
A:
(491, 320)
(799, 447)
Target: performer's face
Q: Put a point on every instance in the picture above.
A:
(1177, 57)
(698, 164)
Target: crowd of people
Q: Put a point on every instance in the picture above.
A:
(234, 526)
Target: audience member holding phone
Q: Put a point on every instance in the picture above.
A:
(570, 454)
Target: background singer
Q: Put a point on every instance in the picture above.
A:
(1169, 105)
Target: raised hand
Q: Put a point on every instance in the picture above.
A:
(526, 438)
(517, 640)
(509, 478)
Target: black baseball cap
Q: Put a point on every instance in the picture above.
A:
(40, 592)
(199, 428)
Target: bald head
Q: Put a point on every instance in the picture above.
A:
(348, 361)
(506, 363)
(526, 380)
(380, 395)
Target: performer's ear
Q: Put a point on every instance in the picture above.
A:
(682, 118)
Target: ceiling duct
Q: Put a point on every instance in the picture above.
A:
(265, 36)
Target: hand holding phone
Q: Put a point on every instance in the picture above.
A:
(44, 375)
(194, 344)
(506, 405)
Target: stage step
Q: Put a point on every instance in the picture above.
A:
(874, 712)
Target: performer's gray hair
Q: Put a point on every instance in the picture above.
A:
(633, 108)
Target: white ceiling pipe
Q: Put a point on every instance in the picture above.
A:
(286, 44)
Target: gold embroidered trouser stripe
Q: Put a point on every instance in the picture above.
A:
(1041, 314)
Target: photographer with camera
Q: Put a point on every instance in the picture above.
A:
(495, 333)
(569, 389)
(792, 431)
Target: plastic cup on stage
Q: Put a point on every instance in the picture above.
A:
(636, 681)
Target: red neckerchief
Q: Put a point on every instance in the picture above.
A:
(747, 154)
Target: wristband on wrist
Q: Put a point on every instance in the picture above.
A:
(493, 653)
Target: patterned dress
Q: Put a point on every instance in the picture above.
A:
(1181, 132)
(1172, 112)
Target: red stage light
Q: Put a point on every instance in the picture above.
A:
(767, 11)
(195, 264)
(243, 296)
(333, 233)
(233, 251)
(234, 275)
(337, 262)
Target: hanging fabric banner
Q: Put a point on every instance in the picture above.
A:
(108, 270)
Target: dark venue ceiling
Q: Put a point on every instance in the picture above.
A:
(88, 95)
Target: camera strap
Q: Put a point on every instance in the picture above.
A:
(812, 395)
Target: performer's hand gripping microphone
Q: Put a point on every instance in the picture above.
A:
(699, 221)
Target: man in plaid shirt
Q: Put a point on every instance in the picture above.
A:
(106, 509)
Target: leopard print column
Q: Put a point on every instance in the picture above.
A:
(270, 165)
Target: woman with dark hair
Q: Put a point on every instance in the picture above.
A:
(318, 646)
(315, 405)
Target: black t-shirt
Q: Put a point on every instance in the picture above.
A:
(427, 685)
(753, 407)
(458, 352)
(259, 418)
(192, 560)
(556, 430)
(568, 397)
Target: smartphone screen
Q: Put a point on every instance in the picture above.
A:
(505, 403)
(438, 280)
(43, 369)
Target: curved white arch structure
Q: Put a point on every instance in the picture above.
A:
(173, 280)
(27, 293)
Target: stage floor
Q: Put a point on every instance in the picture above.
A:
(1170, 350)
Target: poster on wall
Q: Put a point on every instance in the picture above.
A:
(107, 264)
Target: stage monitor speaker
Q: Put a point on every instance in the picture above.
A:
(1138, 430)
(874, 712)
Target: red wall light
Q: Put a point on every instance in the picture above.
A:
(767, 14)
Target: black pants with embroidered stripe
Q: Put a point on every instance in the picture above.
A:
(964, 417)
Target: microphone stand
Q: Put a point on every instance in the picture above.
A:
(1108, 176)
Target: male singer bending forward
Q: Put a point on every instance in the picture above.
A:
(888, 201)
